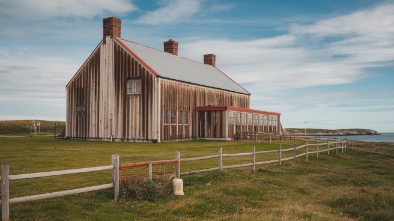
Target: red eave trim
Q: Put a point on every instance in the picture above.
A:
(231, 108)
(119, 41)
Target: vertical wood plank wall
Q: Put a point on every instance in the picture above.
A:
(109, 111)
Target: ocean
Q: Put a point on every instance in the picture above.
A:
(384, 137)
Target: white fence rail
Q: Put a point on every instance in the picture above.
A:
(6, 178)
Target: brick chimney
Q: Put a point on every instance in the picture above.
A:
(171, 47)
(111, 27)
(210, 59)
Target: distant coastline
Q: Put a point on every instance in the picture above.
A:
(325, 132)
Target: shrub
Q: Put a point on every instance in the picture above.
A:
(147, 190)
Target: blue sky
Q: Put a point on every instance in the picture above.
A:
(327, 63)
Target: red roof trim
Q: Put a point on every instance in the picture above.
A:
(231, 108)
(136, 56)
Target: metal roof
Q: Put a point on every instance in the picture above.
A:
(173, 67)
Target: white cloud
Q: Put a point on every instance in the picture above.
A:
(44, 9)
(328, 52)
(173, 11)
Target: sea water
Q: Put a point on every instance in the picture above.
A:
(384, 137)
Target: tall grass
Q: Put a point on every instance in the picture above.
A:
(353, 185)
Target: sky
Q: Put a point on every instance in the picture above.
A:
(321, 64)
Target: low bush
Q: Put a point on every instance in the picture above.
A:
(147, 190)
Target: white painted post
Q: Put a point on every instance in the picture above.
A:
(178, 165)
(317, 149)
(280, 155)
(336, 146)
(220, 159)
(115, 176)
(328, 147)
(254, 158)
(5, 193)
(150, 171)
(270, 139)
(306, 150)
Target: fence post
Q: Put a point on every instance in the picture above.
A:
(254, 158)
(115, 176)
(220, 159)
(328, 146)
(306, 150)
(295, 152)
(317, 149)
(342, 144)
(270, 139)
(178, 165)
(5, 193)
(280, 154)
(336, 146)
(150, 171)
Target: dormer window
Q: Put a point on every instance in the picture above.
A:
(134, 86)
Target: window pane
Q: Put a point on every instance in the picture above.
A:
(249, 119)
(231, 117)
(173, 117)
(137, 86)
(130, 86)
(186, 117)
(165, 117)
(180, 117)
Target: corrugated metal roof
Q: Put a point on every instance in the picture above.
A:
(181, 69)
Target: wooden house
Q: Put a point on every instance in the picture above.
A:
(130, 92)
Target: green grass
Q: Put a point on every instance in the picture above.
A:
(353, 185)
(19, 127)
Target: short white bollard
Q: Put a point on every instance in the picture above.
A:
(178, 187)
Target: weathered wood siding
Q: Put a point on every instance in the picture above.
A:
(100, 86)
(177, 96)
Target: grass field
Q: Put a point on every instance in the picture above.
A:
(354, 185)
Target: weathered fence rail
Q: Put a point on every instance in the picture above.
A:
(339, 144)
(6, 178)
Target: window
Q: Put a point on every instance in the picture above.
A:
(265, 120)
(261, 120)
(134, 86)
(255, 119)
(250, 119)
(165, 117)
(81, 111)
(215, 117)
(231, 117)
(173, 117)
(180, 117)
(238, 119)
(243, 118)
(186, 121)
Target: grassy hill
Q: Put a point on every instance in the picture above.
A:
(17, 127)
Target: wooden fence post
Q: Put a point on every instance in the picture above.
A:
(270, 139)
(280, 155)
(328, 146)
(336, 146)
(317, 149)
(178, 165)
(115, 176)
(220, 159)
(150, 171)
(5, 193)
(342, 144)
(295, 152)
(254, 158)
(306, 150)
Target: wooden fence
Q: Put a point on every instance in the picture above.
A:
(326, 146)
(6, 178)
